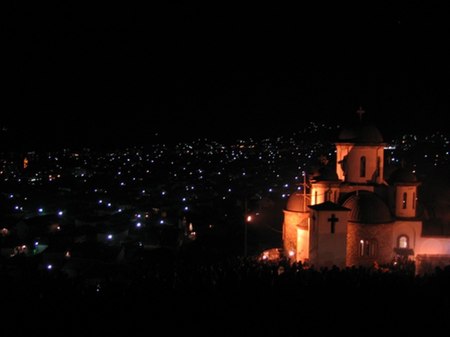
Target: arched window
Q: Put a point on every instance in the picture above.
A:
(367, 248)
(377, 173)
(403, 241)
(404, 200)
(362, 166)
(315, 198)
(328, 195)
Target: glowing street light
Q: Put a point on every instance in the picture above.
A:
(248, 219)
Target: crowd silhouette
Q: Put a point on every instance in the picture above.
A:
(175, 294)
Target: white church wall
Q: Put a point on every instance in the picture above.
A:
(431, 252)
(411, 229)
(331, 247)
(405, 201)
(323, 191)
(342, 151)
(350, 168)
(432, 246)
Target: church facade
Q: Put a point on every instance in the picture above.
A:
(352, 216)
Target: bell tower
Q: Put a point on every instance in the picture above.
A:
(360, 154)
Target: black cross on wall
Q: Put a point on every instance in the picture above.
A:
(333, 221)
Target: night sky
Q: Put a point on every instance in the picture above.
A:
(222, 67)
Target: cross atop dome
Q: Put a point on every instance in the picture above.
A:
(360, 113)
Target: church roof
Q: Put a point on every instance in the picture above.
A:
(326, 173)
(296, 203)
(402, 176)
(328, 206)
(361, 134)
(368, 208)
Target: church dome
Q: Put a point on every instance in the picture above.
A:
(347, 134)
(368, 208)
(363, 133)
(402, 176)
(296, 203)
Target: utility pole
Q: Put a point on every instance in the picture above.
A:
(245, 227)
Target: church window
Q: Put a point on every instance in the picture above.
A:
(403, 241)
(362, 167)
(361, 248)
(377, 173)
(315, 198)
(335, 196)
(367, 248)
(414, 200)
(404, 199)
(328, 195)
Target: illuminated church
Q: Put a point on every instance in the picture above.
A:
(353, 216)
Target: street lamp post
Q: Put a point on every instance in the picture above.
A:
(245, 227)
(247, 219)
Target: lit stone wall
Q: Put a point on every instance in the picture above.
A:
(291, 233)
(290, 227)
(383, 236)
